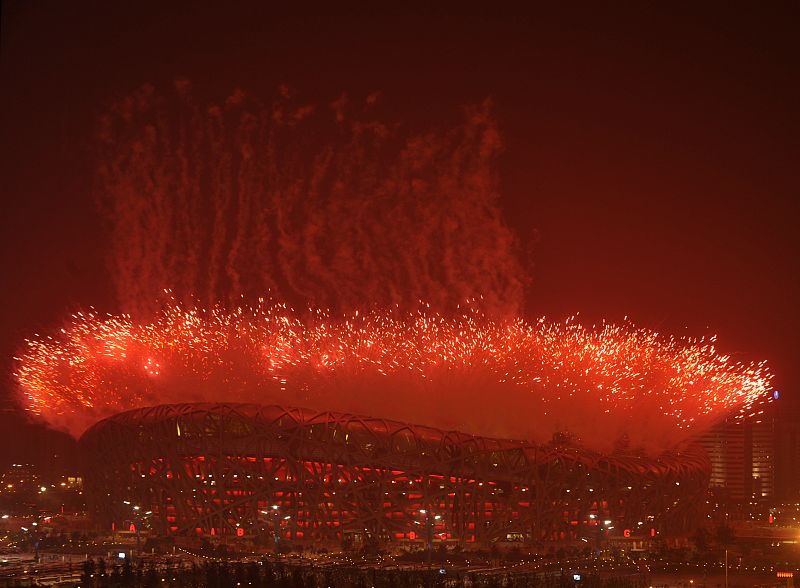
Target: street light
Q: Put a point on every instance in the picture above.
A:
(274, 512)
(429, 518)
(138, 517)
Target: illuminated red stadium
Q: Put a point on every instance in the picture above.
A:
(327, 478)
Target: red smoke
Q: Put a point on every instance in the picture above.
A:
(322, 206)
(498, 379)
(332, 208)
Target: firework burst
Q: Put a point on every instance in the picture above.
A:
(513, 379)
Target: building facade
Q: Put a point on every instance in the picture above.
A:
(328, 478)
(742, 455)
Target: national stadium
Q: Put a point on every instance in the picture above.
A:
(327, 479)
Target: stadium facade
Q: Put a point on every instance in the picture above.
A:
(331, 478)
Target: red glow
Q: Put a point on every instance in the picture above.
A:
(598, 383)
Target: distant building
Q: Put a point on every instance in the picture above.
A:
(762, 458)
(787, 459)
(280, 473)
(742, 458)
(19, 478)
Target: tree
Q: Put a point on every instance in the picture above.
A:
(139, 572)
(297, 579)
(226, 575)
(87, 577)
(102, 579)
(127, 573)
(212, 575)
(700, 539)
(116, 576)
(724, 535)
(254, 575)
(151, 576)
(269, 575)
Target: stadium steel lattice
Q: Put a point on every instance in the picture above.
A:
(322, 477)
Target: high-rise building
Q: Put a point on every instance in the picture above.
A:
(787, 459)
(762, 458)
(742, 455)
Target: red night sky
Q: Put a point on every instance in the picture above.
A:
(650, 161)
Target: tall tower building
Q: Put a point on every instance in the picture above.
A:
(742, 458)
(762, 458)
(787, 464)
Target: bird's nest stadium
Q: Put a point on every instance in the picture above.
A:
(329, 478)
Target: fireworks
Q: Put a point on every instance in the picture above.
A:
(506, 379)
(325, 206)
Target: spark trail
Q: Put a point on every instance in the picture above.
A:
(499, 378)
(325, 206)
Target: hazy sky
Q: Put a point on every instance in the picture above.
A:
(650, 159)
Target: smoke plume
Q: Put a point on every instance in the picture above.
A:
(322, 206)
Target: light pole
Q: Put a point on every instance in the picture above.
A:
(138, 519)
(276, 518)
(726, 567)
(429, 532)
(138, 530)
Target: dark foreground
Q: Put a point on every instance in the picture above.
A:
(187, 571)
